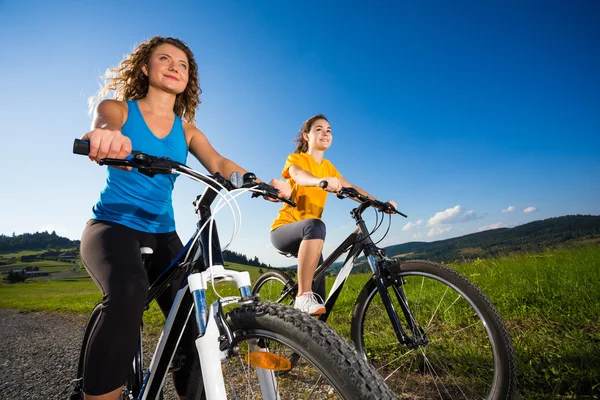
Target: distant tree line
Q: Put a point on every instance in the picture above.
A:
(53, 242)
(534, 236)
(35, 241)
(232, 256)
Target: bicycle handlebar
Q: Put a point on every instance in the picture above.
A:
(153, 165)
(353, 193)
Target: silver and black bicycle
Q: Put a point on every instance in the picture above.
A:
(429, 331)
(247, 352)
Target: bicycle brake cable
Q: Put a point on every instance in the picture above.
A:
(386, 231)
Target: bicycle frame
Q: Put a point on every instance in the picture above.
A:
(214, 335)
(201, 260)
(356, 243)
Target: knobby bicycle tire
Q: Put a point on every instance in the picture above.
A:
(323, 352)
(467, 338)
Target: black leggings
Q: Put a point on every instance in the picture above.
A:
(111, 255)
(287, 239)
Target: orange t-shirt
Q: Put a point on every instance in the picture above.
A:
(310, 200)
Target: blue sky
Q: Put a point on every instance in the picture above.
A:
(470, 115)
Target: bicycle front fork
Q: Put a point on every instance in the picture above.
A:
(418, 336)
(215, 341)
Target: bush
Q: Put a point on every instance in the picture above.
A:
(16, 277)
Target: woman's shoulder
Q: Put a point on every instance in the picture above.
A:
(297, 159)
(329, 164)
(113, 108)
(190, 129)
(297, 156)
(113, 104)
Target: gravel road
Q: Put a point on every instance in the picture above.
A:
(38, 355)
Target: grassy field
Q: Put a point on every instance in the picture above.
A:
(19, 254)
(550, 302)
(77, 294)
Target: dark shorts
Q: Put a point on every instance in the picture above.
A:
(287, 239)
(111, 255)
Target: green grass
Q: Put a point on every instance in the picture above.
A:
(20, 253)
(551, 304)
(43, 265)
(253, 271)
(79, 295)
(549, 301)
(30, 252)
(74, 296)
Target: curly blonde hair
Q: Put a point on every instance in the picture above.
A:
(129, 82)
(302, 144)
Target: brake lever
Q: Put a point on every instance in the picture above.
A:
(271, 192)
(288, 201)
(115, 162)
(388, 207)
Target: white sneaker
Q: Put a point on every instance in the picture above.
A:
(310, 303)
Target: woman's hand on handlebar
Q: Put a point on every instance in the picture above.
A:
(333, 184)
(283, 187)
(105, 143)
(391, 210)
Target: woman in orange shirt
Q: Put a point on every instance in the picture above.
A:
(300, 229)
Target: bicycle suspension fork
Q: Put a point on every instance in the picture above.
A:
(215, 340)
(380, 276)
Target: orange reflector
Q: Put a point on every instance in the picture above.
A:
(268, 360)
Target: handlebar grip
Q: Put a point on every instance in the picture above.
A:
(288, 201)
(323, 184)
(81, 147)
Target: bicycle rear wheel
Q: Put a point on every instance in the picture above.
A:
(269, 333)
(271, 285)
(468, 354)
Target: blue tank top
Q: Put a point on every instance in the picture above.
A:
(136, 200)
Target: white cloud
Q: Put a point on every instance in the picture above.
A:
(491, 226)
(451, 216)
(417, 235)
(438, 230)
(447, 216)
(469, 215)
(410, 225)
(529, 210)
(509, 209)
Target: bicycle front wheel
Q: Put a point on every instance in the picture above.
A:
(468, 351)
(267, 334)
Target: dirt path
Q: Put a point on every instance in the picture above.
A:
(38, 354)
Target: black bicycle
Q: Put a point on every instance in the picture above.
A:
(427, 329)
(246, 352)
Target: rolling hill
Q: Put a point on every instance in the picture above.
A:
(532, 237)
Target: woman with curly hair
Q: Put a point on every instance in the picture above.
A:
(156, 93)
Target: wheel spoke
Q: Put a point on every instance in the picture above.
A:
(456, 356)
